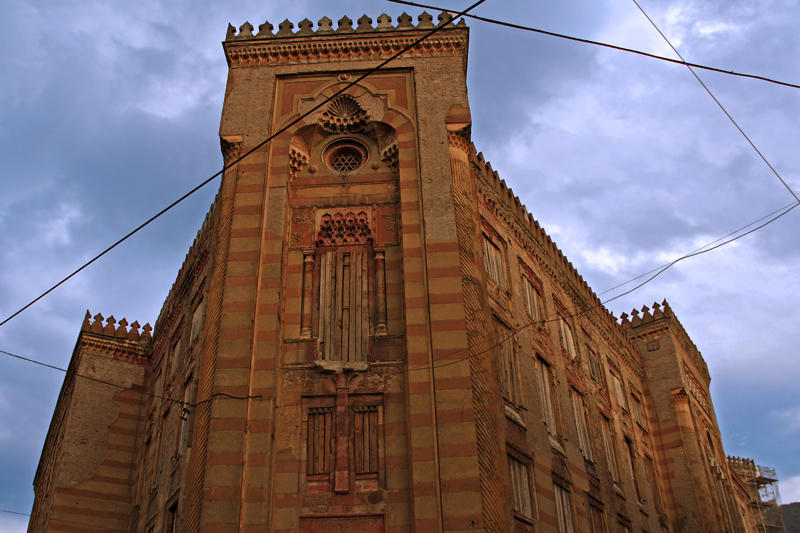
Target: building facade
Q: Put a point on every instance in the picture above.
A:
(371, 333)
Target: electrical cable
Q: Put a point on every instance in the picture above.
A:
(225, 167)
(124, 387)
(14, 512)
(605, 45)
(734, 232)
(722, 107)
(705, 249)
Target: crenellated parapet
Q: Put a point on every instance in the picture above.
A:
(644, 320)
(116, 338)
(347, 41)
(499, 199)
(190, 273)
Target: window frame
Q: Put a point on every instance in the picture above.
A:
(525, 469)
(494, 261)
(579, 411)
(507, 344)
(567, 337)
(544, 374)
(565, 518)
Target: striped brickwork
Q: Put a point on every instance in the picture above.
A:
(87, 468)
(371, 333)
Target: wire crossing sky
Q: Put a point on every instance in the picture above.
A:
(623, 162)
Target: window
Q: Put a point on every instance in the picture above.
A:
(189, 392)
(563, 509)
(506, 342)
(608, 445)
(632, 465)
(320, 440)
(567, 340)
(345, 156)
(344, 304)
(170, 521)
(197, 320)
(545, 395)
(520, 487)
(594, 366)
(649, 470)
(636, 407)
(493, 262)
(175, 356)
(597, 522)
(579, 410)
(532, 298)
(619, 392)
(365, 439)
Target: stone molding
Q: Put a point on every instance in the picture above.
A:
(341, 48)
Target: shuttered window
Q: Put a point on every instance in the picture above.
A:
(608, 445)
(531, 297)
(563, 509)
(320, 440)
(579, 411)
(567, 339)
(511, 380)
(546, 396)
(365, 439)
(520, 487)
(344, 304)
(493, 262)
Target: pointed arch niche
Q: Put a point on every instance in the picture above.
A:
(344, 194)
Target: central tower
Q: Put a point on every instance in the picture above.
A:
(338, 289)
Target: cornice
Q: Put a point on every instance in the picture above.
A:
(118, 348)
(336, 48)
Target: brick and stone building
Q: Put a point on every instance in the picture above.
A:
(371, 333)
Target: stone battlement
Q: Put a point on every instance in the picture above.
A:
(114, 328)
(658, 312)
(528, 230)
(345, 25)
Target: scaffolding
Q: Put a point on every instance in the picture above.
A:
(765, 494)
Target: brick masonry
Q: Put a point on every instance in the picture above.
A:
(371, 333)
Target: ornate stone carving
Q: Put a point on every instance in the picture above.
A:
(231, 148)
(389, 155)
(297, 160)
(343, 115)
(344, 228)
(360, 48)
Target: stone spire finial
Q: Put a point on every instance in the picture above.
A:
(324, 25)
(445, 17)
(86, 324)
(404, 21)
(122, 330)
(245, 31)
(97, 325)
(231, 33)
(264, 30)
(133, 334)
(425, 20)
(305, 27)
(146, 334)
(384, 22)
(364, 23)
(110, 329)
(345, 25)
(285, 28)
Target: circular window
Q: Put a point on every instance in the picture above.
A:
(345, 156)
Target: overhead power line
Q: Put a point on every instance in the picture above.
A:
(605, 45)
(722, 107)
(657, 272)
(208, 180)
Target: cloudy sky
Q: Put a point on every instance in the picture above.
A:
(111, 110)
